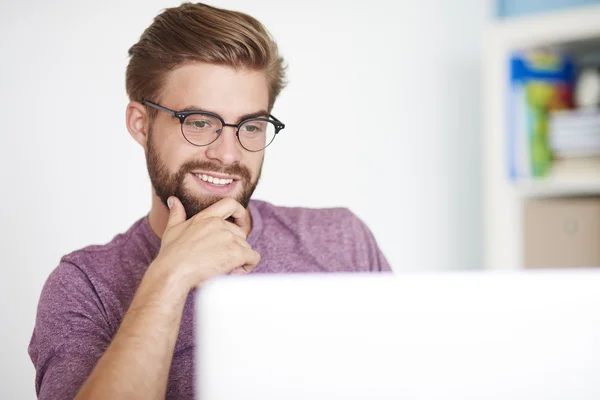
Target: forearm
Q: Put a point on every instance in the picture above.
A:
(137, 362)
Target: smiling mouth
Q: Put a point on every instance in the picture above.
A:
(214, 180)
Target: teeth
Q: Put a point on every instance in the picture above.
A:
(213, 180)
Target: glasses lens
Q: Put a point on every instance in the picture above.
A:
(255, 135)
(201, 129)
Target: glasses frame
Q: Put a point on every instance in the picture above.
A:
(182, 115)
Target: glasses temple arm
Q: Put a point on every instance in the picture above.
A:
(161, 108)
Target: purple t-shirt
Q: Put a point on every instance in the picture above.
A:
(87, 295)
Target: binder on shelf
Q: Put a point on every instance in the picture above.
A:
(540, 82)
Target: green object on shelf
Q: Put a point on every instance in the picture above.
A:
(539, 96)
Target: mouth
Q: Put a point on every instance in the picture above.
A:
(214, 180)
(215, 183)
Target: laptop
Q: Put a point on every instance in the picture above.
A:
(454, 335)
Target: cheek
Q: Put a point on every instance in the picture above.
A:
(254, 162)
(175, 151)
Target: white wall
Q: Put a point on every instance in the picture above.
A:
(391, 90)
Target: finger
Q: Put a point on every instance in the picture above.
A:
(243, 243)
(244, 257)
(226, 208)
(176, 212)
(239, 271)
(252, 259)
(236, 230)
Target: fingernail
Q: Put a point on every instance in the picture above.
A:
(170, 202)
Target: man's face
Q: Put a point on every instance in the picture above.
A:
(178, 168)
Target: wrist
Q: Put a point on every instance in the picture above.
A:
(168, 284)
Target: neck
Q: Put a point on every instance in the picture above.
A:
(159, 215)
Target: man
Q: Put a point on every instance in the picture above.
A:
(116, 321)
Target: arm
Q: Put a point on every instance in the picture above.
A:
(72, 334)
(136, 364)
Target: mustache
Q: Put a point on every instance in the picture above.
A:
(234, 169)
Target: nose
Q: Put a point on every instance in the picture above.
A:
(226, 148)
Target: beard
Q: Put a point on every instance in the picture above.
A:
(168, 184)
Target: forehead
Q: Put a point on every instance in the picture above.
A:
(224, 90)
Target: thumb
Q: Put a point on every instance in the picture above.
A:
(176, 212)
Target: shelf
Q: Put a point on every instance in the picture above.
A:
(549, 29)
(559, 188)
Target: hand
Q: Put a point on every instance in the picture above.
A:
(206, 245)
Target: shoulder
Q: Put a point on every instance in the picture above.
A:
(305, 215)
(334, 237)
(101, 277)
(337, 227)
(124, 251)
(313, 221)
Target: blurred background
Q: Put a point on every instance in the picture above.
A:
(464, 133)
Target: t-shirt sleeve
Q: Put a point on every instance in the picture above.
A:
(71, 333)
(366, 245)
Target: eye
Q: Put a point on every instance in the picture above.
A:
(199, 124)
(252, 128)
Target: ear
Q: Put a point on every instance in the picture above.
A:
(138, 122)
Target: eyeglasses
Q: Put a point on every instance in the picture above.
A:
(202, 128)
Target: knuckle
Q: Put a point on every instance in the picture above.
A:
(213, 222)
(224, 238)
(237, 252)
(229, 236)
(231, 249)
(197, 218)
(235, 249)
(232, 202)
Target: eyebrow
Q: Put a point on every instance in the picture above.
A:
(260, 113)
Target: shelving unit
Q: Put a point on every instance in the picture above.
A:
(503, 199)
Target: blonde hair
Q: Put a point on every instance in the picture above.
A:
(201, 33)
